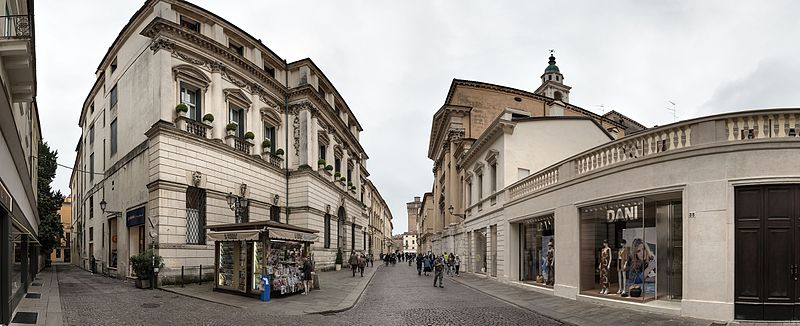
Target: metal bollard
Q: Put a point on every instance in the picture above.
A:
(181, 275)
(200, 280)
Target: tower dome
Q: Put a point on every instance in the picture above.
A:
(552, 68)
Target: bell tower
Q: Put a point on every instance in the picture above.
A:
(553, 82)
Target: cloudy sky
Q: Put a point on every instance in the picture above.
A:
(393, 61)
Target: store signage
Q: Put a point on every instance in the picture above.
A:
(625, 213)
(135, 217)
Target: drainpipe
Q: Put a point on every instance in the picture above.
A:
(286, 132)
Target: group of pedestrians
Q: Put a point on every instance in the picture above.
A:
(359, 261)
(438, 265)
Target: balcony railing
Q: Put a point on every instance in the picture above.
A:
(722, 129)
(242, 145)
(15, 27)
(197, 128)
(275, 160)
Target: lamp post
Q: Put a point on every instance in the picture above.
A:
(104, 204)
(238, 203)
(451, 209)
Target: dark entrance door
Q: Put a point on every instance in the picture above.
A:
(767, 254)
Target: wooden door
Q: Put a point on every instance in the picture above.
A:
(766, 255)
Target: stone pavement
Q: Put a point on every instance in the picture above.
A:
(339, 291)
(47, 304)
(570, 311)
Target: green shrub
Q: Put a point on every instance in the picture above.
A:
(208, 117)
(339, 259)
(279, 151)
(266, 143)
(143, 264)
(343, 179)
(328, 168)
(249, 135)
(181, 108)
(349, 183)
(231, 126)
(321, 162)
(337, 175)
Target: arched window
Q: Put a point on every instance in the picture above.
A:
(557, 95)
(340, 228)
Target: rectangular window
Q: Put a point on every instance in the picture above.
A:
(269, 70)
(469, 194)
(190, 24)
(91, 234)
(91, 134)
(269, 133)
(236, 48)
(113, 137)
(191, 96)
(493, 169)
(91, 166)
(337, 165)
(349, 174)
(480, 186)
(113, 66)
(113, 97)
(91, 206)
(322, 151)
(236, 115)
(195, 215)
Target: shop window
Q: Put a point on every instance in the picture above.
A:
(622, 243)
(480, 251)
(537, 250)
(353, 236)
(195, 215)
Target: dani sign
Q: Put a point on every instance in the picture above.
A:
(627, 213)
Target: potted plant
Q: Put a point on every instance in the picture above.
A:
(329, 168)
(142, 265)
(321, 163)
(349, 184)
(279, 152)
(182, 109)
(342, 179)
(231, 129)
(339, 259)
(266, 145)
(208, 119)
(249, 136)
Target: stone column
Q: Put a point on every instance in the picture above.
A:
(216, 102)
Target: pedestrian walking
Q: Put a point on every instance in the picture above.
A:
(438, 270)
(371, 260)
(419, 265)
(427, 263)
(353, 261)
(457, 264)
(362, 262)
(308, 267)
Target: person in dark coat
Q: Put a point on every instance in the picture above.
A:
(419, 265)
(308, 267)
(353, 261)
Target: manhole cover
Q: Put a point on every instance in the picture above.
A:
(150, 305)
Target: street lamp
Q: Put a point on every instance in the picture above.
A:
(238, 203)
(103, 205)
(454, 214)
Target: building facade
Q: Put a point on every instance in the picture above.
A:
(413, 214)
(469, 109)
(62, 253)
(19, 145)
(409, 242)
(194, 122)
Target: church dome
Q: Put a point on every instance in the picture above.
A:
(552, 68)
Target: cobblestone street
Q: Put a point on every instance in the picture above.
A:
(396, 296)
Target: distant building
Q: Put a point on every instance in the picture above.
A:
(63, 252)
(413, 214)
(410, 242)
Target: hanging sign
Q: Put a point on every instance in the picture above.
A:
(135, 217)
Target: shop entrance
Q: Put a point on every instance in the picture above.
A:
(767, 252)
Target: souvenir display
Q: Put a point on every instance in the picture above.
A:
(284, 265)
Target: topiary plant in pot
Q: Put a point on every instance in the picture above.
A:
(249, 135)
(279, 152)
(231, 129)
(329, 168)
(208, 119)
(182, 109)
(321, 162)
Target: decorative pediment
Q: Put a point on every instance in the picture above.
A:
(322, 136)
(468, 177)
(337, 151)
(478, 168)
(270, 116)
(191, 74)
(237, 96)
(491, 156)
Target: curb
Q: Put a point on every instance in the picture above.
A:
(198, 298)
(349, 305)
(512, 303)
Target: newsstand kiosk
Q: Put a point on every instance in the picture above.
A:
(243, 252)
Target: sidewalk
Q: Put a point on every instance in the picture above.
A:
(42, 299)
(338, 291)
(569, 311)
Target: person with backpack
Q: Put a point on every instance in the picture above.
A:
(438, 270)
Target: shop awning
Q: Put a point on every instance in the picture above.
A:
(233, 235)
(291, 235)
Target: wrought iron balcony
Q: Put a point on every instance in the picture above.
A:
(15, 27)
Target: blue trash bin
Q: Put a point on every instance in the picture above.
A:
(266, 288)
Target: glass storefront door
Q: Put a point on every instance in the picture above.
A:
(537, 250)
(480, 250)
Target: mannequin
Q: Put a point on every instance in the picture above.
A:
(605, 265)
(622, 266)
(551, 262)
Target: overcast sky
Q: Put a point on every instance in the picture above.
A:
(393, 61)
